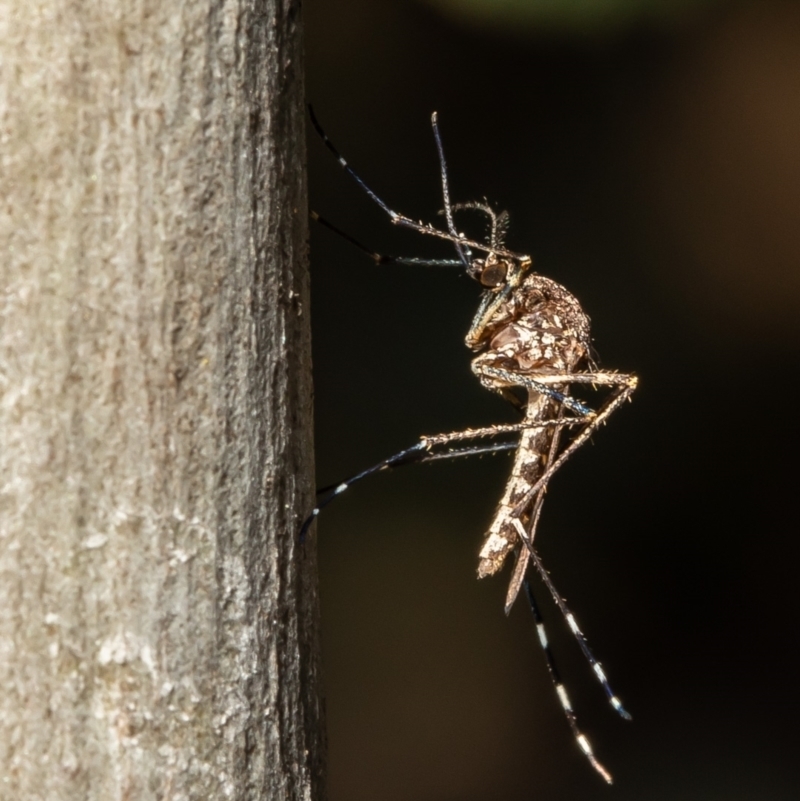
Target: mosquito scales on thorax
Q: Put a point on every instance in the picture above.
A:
(531, 342)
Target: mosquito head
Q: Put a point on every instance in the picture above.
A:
(498, 271)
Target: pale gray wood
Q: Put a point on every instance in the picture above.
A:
(158, 620)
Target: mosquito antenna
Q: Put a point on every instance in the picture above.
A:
(498, 222)
(501, 229)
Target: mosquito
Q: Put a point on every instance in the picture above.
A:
(532, 345)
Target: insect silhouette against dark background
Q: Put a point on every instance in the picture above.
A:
(653, 169)
(533, 348)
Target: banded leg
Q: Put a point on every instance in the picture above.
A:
(498, 223)
(561, 692)
(523, 557)
(515, 378)
(417, 455)
(616, 704)
(422, 452)
(378, 258)
(625, 385)
(400, 219)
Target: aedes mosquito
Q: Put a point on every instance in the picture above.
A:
(531, 337)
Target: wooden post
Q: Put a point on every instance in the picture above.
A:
(158, 620)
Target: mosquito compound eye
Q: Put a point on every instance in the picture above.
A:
(494, 274)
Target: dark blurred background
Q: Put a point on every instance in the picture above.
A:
(649, 155)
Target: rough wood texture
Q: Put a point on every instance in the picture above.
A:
(158, 629)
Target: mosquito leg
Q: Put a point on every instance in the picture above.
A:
(381, 259)
(463, 253)
(569, 713)
(408, 456)
(571, 622)
(347, 168)
(455, 453)
(417, 454)
(400, 219)
(625, 384)
(526, 380)
(422, 452)
(528, 478)
(592, 377)
(502, 428)
(523, 557)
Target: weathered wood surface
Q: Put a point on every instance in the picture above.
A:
(158, 624)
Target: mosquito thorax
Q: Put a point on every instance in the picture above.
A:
(542, 294)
